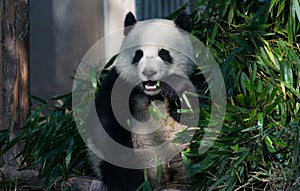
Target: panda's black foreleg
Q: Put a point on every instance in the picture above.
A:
(114, 177)
(117, 178)
(177, 90)
(105, 112)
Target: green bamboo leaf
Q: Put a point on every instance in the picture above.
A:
(38, 99)
(236, 146)
(214, 33)
(147, 186)
(141, 186)
(185, 160)
(293, 90)
(259, 87)
(286, 73)
(13, 142)
(61, 97)
(273, 2)
(186, 100)
(34, 116)
(290, 28)
(218, 185)
(242, 154)
(155, 112)
(260, 120)
(272, 92)
(296, 8)
(223, 166)
(271, 106)
(254, 71)
(271, 56)
(256, 16)
(280, 9)
(231, 183)
(245, 82)
(4, 136)
(184, 111)
(250, 129)
(269, 144)
(231, 15)
(69, 152)
(206, 163)
(224, 5)
(93, 77)
(240, 98)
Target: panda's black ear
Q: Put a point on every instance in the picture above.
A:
(129, 22)
(129, 19)
(183, 21)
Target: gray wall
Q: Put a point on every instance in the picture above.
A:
(61, 32)
(148, 9)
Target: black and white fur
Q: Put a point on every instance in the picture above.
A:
(148, 54)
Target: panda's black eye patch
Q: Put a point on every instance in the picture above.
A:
(138, 56)
(165, 55)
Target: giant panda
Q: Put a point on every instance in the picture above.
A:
(157, 64)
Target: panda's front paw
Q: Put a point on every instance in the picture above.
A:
(173, 87)
(139, 105)
(183, 99)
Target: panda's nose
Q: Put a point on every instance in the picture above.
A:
(149, 73)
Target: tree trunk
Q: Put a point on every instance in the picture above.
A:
(14, 71)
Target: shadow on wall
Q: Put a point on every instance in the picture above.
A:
(61, 32)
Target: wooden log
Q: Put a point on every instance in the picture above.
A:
(81, 183)
(85, 183)
(9, 173)
(14, 69)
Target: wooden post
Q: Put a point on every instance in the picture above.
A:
(14, 70)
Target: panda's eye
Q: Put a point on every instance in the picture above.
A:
(138, 56)
(165, 55)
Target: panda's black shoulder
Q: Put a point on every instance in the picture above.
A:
(103, 95)
(199, 81)
(109, 79)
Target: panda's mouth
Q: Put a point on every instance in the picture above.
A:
(151, 87)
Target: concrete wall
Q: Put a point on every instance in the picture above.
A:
(114, 14)
(61, 32)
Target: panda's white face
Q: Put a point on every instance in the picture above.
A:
(152, 50)
(151, 66)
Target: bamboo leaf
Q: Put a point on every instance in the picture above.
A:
(281, 7)
(231, 15)
(273, 2)
(269, 144)
(38, 99)
(13, 142)
(69, 152)
(156, 113)
(296, 8)
(245, 82)
(93, 78)
(287, 73)
(271, 56)
(214, 33)
(290, 27)
(242, 155)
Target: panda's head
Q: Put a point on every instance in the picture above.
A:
(155, 49)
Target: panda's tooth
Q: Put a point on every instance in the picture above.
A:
(149, 87)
